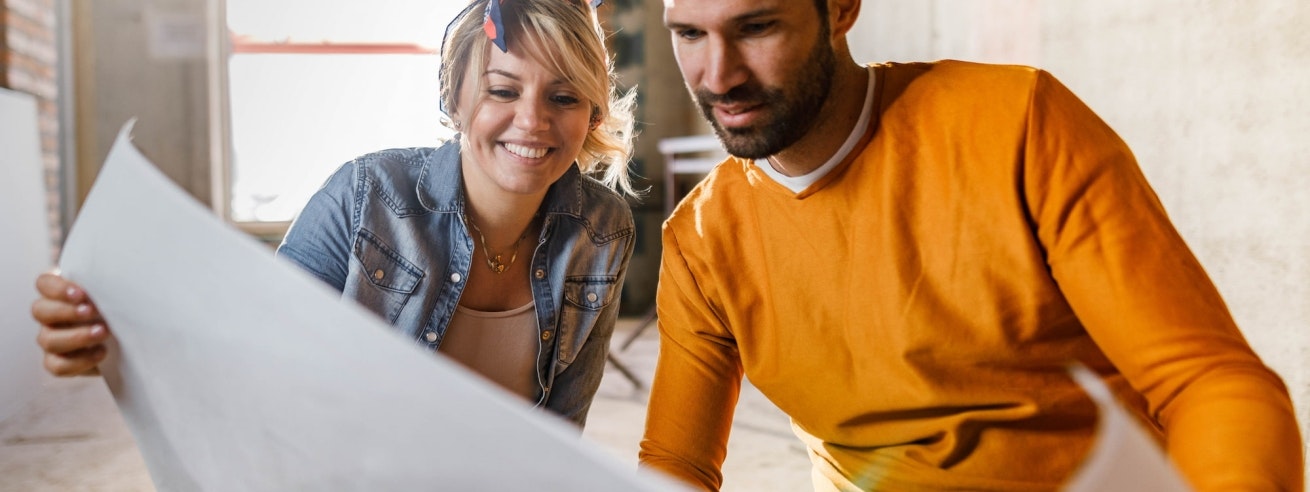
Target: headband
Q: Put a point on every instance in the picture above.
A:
(495, 28)
(492, 25)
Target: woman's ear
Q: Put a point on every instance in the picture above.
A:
(457, 117)
(596, 117)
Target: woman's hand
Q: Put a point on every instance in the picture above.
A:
(72, 332)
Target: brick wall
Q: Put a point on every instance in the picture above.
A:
(28, 63)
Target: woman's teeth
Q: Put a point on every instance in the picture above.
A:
(525, 151)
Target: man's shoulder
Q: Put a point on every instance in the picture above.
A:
(957, 82)
(960, 95)
(957, 69)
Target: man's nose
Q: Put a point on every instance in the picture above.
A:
(724, 67)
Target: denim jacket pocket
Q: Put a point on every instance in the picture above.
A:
(392, 279)
(584, 299)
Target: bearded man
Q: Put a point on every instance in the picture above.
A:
(906, 259)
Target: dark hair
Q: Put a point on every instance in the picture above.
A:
(822, 7)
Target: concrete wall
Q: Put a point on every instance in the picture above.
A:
(1213, 97)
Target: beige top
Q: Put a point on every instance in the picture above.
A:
(500, 346)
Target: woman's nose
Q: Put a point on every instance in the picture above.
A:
(531, 114)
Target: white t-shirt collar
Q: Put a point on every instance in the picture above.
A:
(798, 183)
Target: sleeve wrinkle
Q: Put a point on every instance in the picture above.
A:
(1253, 373)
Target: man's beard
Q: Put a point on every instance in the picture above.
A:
(790, 113)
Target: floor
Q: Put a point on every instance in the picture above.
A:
(71, 437)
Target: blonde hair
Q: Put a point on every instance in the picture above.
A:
(566, 37)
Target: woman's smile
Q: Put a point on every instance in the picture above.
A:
(526, 151)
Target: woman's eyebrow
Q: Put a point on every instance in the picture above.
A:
(502, 73)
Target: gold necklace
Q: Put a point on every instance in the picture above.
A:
(493, 261)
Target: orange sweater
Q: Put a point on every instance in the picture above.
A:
(915, 310)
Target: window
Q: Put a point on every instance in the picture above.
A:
(312, 84)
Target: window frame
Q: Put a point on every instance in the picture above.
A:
(222, 45)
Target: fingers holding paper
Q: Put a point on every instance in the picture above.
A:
(72, 331)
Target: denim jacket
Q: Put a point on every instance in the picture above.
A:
(387, 231)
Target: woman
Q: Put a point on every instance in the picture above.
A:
(493, 248)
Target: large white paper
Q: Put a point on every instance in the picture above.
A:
(24, 248)
(237, 371)
(1123, 457)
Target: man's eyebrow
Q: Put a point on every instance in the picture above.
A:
(744, 17)
(677, 26)
(764, 12)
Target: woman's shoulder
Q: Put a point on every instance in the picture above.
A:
(394, 176)
(402, 168)
(406, 161)
(604, 211)
(597, 194)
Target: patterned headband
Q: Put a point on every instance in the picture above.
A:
(495, 28)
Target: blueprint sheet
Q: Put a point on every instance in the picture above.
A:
(237, 371)
(1123, 456)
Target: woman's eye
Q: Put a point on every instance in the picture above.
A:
(566, 100)
(502, 94)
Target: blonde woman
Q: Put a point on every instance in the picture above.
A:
(504, 248)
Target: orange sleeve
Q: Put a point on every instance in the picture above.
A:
(1146, 301)
(697, 379)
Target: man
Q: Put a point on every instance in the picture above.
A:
(906, 258)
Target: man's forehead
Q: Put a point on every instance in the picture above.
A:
(700, 4)
(696, 8)
(693, 6)
(682, 4)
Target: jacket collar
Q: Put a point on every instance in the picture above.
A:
(441, 184)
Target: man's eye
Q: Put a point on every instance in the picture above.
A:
(690, 34)
(757, 27)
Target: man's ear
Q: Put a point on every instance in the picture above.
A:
(842, 15)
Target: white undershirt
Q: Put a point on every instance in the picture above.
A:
(501, 346)
(798, 183)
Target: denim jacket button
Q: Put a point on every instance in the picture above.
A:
(545, 335)
(431, 336)
(541, 273)
(591, 297)
(455, 277)
(378, 274)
